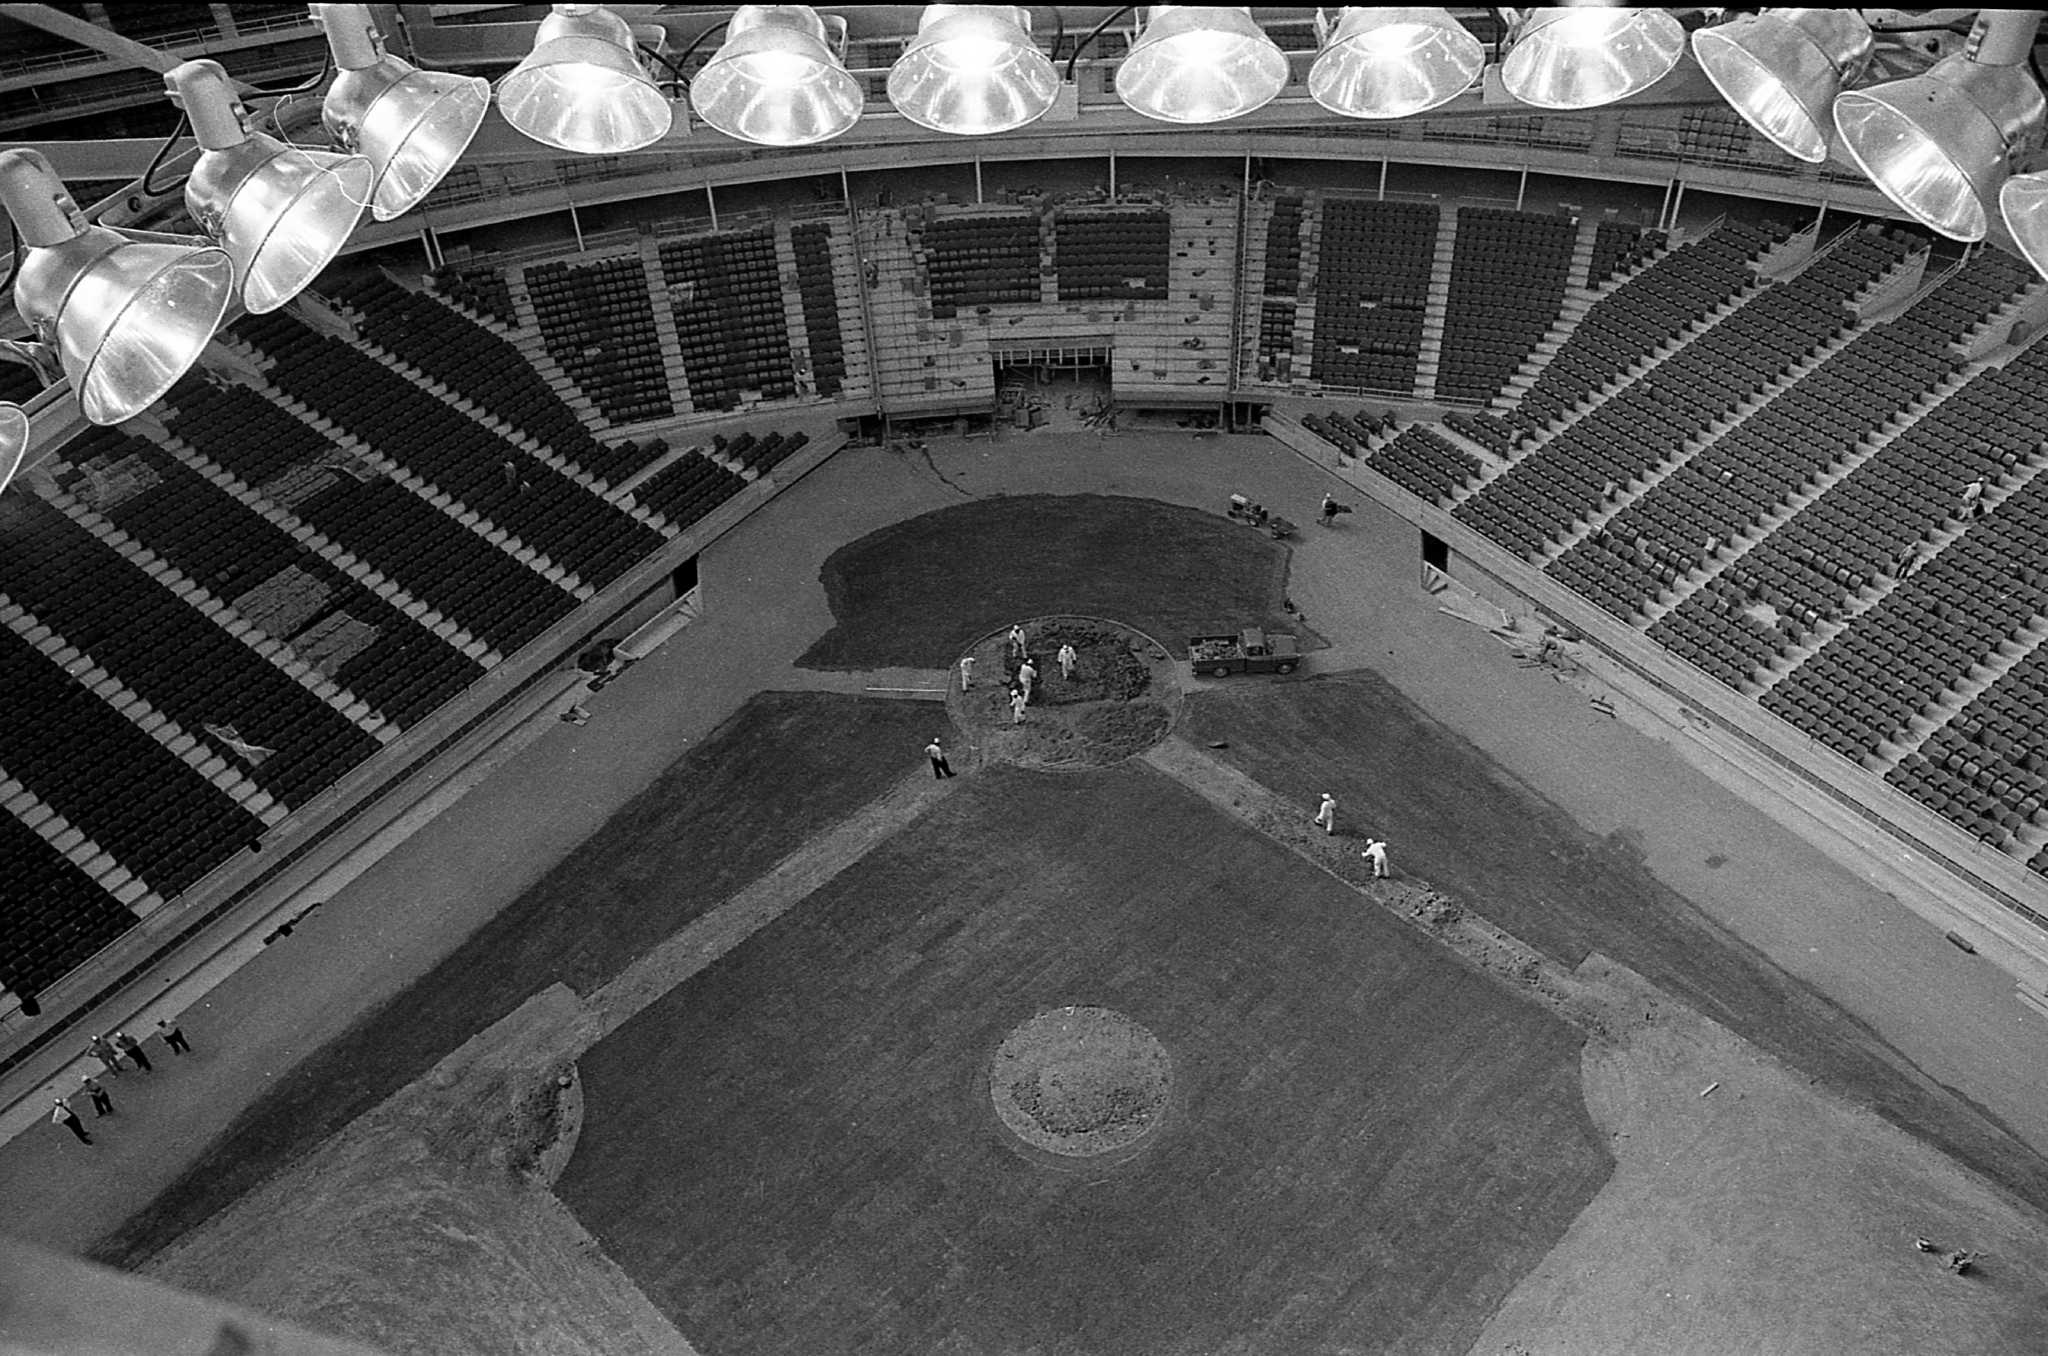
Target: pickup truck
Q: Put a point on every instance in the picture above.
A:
(1249, 651)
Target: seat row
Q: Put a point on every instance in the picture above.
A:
(981, 260)
(53, 914)
(1122, 255)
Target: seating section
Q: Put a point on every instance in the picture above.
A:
(1424, 462)
(458, 456)
(1490, 431)
(426, 552)
(1354, 434)
(1121, 256)
(1728, 489)
(144, 22)
(812, 243)
(173, 657)
(597, 321)
(52, 913)
(1373, 268)
(1639, 317)
(479, 287)
(470, 360)
(285, 591)
(1508, 277)
(1283, 248)
(689, 487)
(980, 259)
(1987, 770)
(726, 295)
(1538, 500)
(1875, 524)
(760, 455)
(1619, 246)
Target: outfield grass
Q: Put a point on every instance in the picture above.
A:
(710, 825)
(1455, 818)
(919, 592)
(1370, 1143)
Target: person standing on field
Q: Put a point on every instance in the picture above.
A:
(173, 1037)
(966, 672)
(1017, 707)
(1067, 658)
(1376, 853)
(132, 1048)
(941, 769)
(103, 1051)
(62, 1114)
(102, 1100)
(1027, 674)
(1326, 813)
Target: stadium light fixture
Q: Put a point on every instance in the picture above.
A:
(973, 70)
(1391, 63)
(1941, 145)
(13, 440)
(280, 212)
(1199, 64)
(583, 87)
(1584, 56)
(412, 125)
(779, 79)
(1782, 70)
(2023, 202)
(125, 313)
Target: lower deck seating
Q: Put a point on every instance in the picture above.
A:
(284, 590)
(1987, 769)
(597, 321)
(1646, 312)
(726, 294)
(1112, 255)
(1424, 462)
(811, 242)
(172, 656)
(481, 288)
(53, 914)
(427, 553)
(470, 360)
(689, 487)
(1619, 246)
(1373, 266)
(489, 475)
(1539, 499)
(980, 259)
(1508, 278)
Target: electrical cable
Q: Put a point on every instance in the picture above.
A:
(156, 163)
(1094, 33)
(676, 66)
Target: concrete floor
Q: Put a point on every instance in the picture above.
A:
(1844, 930)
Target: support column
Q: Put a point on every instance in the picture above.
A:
(1522, 188)
(978, 198)
(711, 202)
(1383, 181)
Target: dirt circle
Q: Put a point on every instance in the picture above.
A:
(1081, 1083)
(1123, 695)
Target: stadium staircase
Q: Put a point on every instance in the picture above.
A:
(648, 247)
(1430, 356)
(526, 337)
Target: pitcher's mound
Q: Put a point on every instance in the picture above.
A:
(1081, 1083)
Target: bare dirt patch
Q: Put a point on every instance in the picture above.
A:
(1122, 697)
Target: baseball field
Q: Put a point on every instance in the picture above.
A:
(1130, 1060)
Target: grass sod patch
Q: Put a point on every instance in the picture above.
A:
(710, 825)
(920, 592)
(1367, 1144)
(1454, 817)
